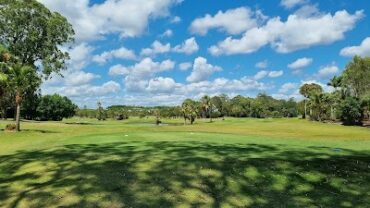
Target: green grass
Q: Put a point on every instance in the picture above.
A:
(231, 163)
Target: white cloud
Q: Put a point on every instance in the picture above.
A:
(79, 91)
(327, 71)
(298, 65)
(136, 77)
(129, 18)
(285, 37)
(274, 74)
(176, 19)
(292, 3)
(80, 56)
(189, 46)
(156, 48)
(202, 70)
(261, 74)
(118, 70)
(288, 87)
(262, 64)
(162, 85)
(361, 50)
(185, 66)
(167, 33)
(120, 53)
(79, 78)
(233, 21)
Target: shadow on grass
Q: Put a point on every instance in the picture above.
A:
(81, 123)
(194, 174)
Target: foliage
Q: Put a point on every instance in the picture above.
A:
(10, 127)
(357, 76)
(55, 108)
(351, 111)
(190, 110)
(100, 112)
(33, 34)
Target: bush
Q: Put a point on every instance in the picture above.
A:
(10, 127)
(351, 111)
(55, 108)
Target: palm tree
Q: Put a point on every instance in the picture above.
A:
(307, 90)
(22, 79)
(189, 110)
(207, 106)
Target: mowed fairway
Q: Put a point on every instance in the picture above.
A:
(231, 163)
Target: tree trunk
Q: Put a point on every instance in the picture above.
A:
(305, 109)
(210, 115)
(18, 100)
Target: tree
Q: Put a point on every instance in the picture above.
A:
(307, 90)
(319, 103)
(22, 79)
(100, 112)
(207, 106)
(34, 34)
(220, 103)
(55, 108)
(357, 76)
(189, 110)
(351, 111)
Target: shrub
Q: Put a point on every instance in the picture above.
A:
(10, 127)
(351, 111)
(55, 107)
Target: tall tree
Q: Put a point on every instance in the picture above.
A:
(207, 105)
(22, 79)
(357, 76)
(220, 103)
(189, 110)
(308, 90)
(34, 34)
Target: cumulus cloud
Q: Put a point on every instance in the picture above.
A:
(156, 48)
(189, 46)
(272, 74)
(202, 70)
(288, 87)
(162, 85)
(233, 21)
(362, 50)
(292, 3)
(117, 70)
(167, 33)
(262, 64)
(176, 19)
(300, 63)
(327, 71)
(94, 21)
(120, 53)
(185, 66)
(285, 37)
(78, 91)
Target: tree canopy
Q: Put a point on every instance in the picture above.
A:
(34, 34)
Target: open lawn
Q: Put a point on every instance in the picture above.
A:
(231, 163)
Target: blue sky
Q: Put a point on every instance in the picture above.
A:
(160, 52)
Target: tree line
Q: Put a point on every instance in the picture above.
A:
(221, 106)
(350, 100)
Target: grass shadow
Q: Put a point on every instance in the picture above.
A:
(192, 174)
